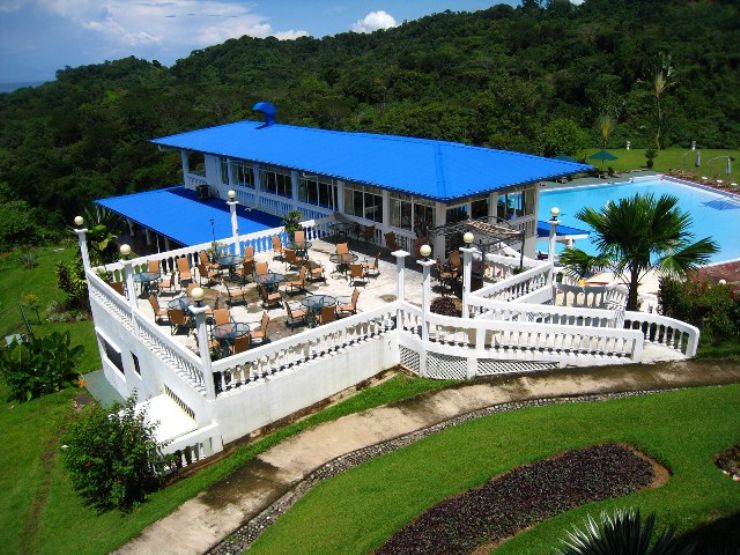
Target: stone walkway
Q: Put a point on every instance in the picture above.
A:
(202, 522)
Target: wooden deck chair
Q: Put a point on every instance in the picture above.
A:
(292, 259)
(206, 261)
(296, 316)
(248, 252)
(277, 247)
(351, 306)
(455, 263)
(315, 270)
(390, 241)
(205, 274)
(298, 284)
(221, 316)
(342, 248)
(270, 299)
(178, 320)
(373, 267)
(234, 294)
(260, 335)
(153, 266)
(241, 344)
(183, 268)
(247, 270)
(327, 314)
(356, 273)
(261, 268)
(159, 312)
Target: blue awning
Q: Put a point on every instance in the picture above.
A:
(177, 213)
(543, 230)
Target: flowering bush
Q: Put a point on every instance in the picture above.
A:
(712, 307)
(111, 455)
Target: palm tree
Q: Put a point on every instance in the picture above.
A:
(621, 533)
(640, 233)
(606, 126)
(661, 82)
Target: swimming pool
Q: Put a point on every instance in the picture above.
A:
(713, 214)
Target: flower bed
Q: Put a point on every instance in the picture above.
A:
(521, 498)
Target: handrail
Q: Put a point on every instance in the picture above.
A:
(517, 286)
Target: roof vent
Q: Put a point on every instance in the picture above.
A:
(268, 110)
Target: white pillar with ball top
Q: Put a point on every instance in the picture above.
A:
(467, 251)
(199, 313)
(554, 213)
(232, 202)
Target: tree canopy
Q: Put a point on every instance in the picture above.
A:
(543, 77)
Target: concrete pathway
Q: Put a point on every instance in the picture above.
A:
(203, 521)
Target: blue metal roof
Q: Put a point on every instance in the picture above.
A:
(543, 230)
(439, 170)
(177, 213)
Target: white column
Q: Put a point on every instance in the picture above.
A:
(167, 246)
(148, 235)
(130, 227)
(553, 221)
(128, 270)
(492, 205)
(81, 235)
(400, 274)
(426, 295)
(340, 197)
(386, 225)
(467, 253)
(234, 222)
(294, 189)
(185, 163)
(199, 313)
(439, 239)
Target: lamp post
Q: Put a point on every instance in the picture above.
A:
(426, 289)
(232, 202)
(128, 271)
(198, 310)
(554, 213)
(467, 251)
(81, 232)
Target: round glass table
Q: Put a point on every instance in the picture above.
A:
(314, 304)
(230, 261)
(146, 279)
(229, 332)
(343, 261)
(270, 280)
(300, 248)
(210, 297)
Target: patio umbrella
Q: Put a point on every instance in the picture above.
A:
(603, 156)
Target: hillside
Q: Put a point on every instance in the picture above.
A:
(537, 79)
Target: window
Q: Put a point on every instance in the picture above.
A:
(137, 367)
(225, 171)
(276, 182)
(319, 191)
(113, 355)
(479, 208)
(242, 174)
(361, 202)
(457, 213)
(423, 217)
(401, 211)
(516, 204)
(412, 214)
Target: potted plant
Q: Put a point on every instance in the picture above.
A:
(292, 223)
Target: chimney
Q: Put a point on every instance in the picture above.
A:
(268, 110)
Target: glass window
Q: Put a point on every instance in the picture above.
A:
(423, 218)
(317, 191)
(225, 171)
(111, 354)
(457, 213)
(360, 202)
(374, 207)
(276, 182)
(243, 174)
(479, 208)
(401, 211)
(512, 205)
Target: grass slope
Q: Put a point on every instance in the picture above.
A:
(40, 512)
(359, 510)
(674, 158)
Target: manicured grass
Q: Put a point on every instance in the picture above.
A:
(674, 158)
(359, 510)
(61, 524)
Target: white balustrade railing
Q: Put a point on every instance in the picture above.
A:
(110, 299)
(590, 296)
(517, 286)
(665, 331)
(258, 363)
(275, 205)
(194, 179)
(488, 309)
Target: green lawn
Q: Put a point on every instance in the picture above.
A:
(40, 511)
(358, 510)
(674, 158)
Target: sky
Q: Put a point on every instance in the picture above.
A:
(37, 37)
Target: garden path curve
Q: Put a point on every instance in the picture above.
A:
(202, 522)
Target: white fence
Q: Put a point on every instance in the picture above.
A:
(519, 287)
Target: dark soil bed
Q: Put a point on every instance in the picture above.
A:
(523, 497)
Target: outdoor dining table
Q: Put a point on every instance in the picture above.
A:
(301, 248)
(270, 280)
(225, 334)
(230, 261)
(314, 304)
(343, 260)
(146, 278)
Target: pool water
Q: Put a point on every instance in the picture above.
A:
(713, 214)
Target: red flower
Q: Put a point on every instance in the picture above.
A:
(88, 464)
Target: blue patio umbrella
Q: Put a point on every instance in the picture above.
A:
(603, 156)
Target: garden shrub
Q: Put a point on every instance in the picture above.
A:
(711, 307)
(39, 365)
(111, 455)
(71, 280)
(446, 306)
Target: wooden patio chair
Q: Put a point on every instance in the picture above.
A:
(268, 298)
(277, 248)
(183, 269)
(246, 272)
(234, 293)
(368, 234)
(390, 241)
(249, 252)
(153, 266)
(260, 335)
(357, 273)
(444, 275)
(119, 287)
(453, 257)
(349, 307)
(205, 274)
(261, 268)
(316, 271)
(298, 284)
(342, 248)
(241, 344)
(159, 312)
(221, 316)
(296, 316)
(372, 269)
(299, 237)
(292, 260)
(327, 314)
(178, 320)
(206, 261)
